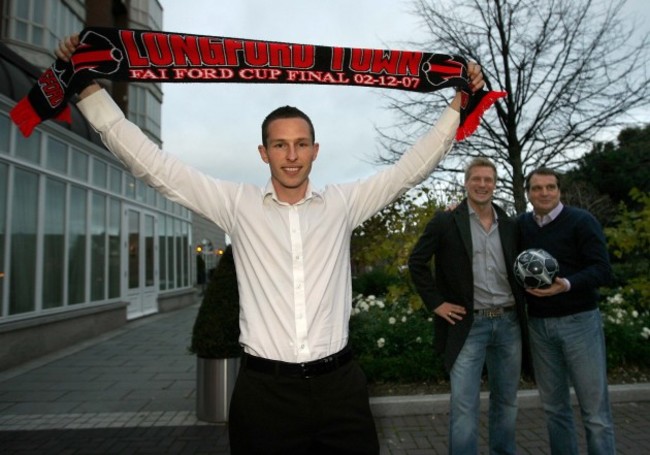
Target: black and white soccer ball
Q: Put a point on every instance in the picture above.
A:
(535, 268)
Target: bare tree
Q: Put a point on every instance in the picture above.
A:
(572, 69)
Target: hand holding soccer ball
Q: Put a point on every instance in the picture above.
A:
(535, 268)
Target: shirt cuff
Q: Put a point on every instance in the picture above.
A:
(100, 110)
(567, 283)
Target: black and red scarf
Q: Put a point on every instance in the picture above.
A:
(150, 56)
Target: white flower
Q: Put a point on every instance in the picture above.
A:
(380, 303)
(645, 333)
(371, 297)
(635, 314)
(381, 342)
(392, 320)
(430, 319)
(403, 318)
(615, 299)
(418, 340)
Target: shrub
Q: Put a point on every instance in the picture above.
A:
(393, 342)
(375, 282)
(216, 329)
(626, 323)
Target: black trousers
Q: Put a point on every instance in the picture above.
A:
(328, 414)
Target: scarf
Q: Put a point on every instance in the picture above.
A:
(152, 56)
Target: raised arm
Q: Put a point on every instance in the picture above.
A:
(477, 83)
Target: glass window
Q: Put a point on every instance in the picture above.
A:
(145, 110)
(43, 22)
(115, 177)
(130, 186)
(162, 256)
(53, 244)
(114, 223)
(150, 196)
(99, 173)
(21, 32)
(79, 165)
(4, 134)
(186, 253)
(3, 230)
(140, 190)
(23, 242)
(171, 254)
(77, 246)
(134, 249)
(57, 155)
(147, 12)
(179, 252)
(160, 201)
(22, 9)
(98, 248)
(149, 251)
(29, 148)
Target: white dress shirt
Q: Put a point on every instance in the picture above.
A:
(293, 261)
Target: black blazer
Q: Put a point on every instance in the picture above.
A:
(447, 239)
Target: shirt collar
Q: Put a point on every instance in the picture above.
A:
(543, 220)
(269, 191)
(472, 212)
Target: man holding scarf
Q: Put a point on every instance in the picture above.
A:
(299, 390)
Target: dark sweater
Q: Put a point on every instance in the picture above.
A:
(576, 240)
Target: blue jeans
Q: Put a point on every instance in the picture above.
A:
(571, 350)
(497, 343)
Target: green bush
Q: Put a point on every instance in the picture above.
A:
(375, 282)
(216, 329)
(393, 342)
(626, 323)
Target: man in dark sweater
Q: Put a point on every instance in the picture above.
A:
(565, 325)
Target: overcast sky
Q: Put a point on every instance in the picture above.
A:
(216, 127)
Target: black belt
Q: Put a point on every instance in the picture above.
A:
(303, 370)
(495, 312)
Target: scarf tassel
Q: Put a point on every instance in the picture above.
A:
(473, 119)
(26, 118)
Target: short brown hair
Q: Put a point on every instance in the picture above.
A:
(286, 112)
(543, 171)
(480, 162)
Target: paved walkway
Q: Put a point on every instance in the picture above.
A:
(133, 392)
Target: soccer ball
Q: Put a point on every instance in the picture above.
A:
(535, 268)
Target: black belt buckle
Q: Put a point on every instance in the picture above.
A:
(304, 370)
(492, 313)
(496, 312)
(318, 367)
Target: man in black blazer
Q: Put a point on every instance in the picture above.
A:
(479, 308)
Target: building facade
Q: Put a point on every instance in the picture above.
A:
(84, 246)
